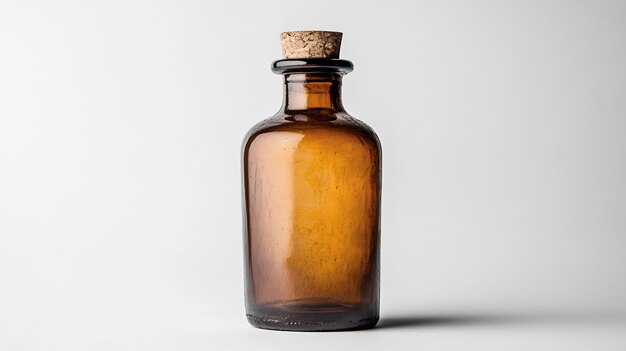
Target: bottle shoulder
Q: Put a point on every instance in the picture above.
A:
(338, 125)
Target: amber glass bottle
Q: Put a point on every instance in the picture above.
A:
(311, 179)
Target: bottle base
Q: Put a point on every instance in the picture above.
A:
(277, 324)
(313, 316)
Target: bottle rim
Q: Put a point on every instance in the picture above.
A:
(312, 65)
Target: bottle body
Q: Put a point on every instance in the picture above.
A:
(312, 182)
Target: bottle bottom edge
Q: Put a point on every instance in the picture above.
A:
(309, 325)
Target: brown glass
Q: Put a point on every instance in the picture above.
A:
(312, 178)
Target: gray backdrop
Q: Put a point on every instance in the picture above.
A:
(504, 195)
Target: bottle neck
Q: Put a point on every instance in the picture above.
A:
(305, 91)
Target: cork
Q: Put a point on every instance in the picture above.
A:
(310, 44)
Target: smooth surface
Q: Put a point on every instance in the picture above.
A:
(312, 179)
(297, 223)
(503, 128)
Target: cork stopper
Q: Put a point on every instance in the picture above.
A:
(310, 44)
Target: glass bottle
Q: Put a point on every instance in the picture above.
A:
(311, 180)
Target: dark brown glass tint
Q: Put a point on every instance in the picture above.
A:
(312, 208)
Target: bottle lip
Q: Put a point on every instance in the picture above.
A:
(312, 65)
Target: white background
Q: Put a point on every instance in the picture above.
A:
(503, 126)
